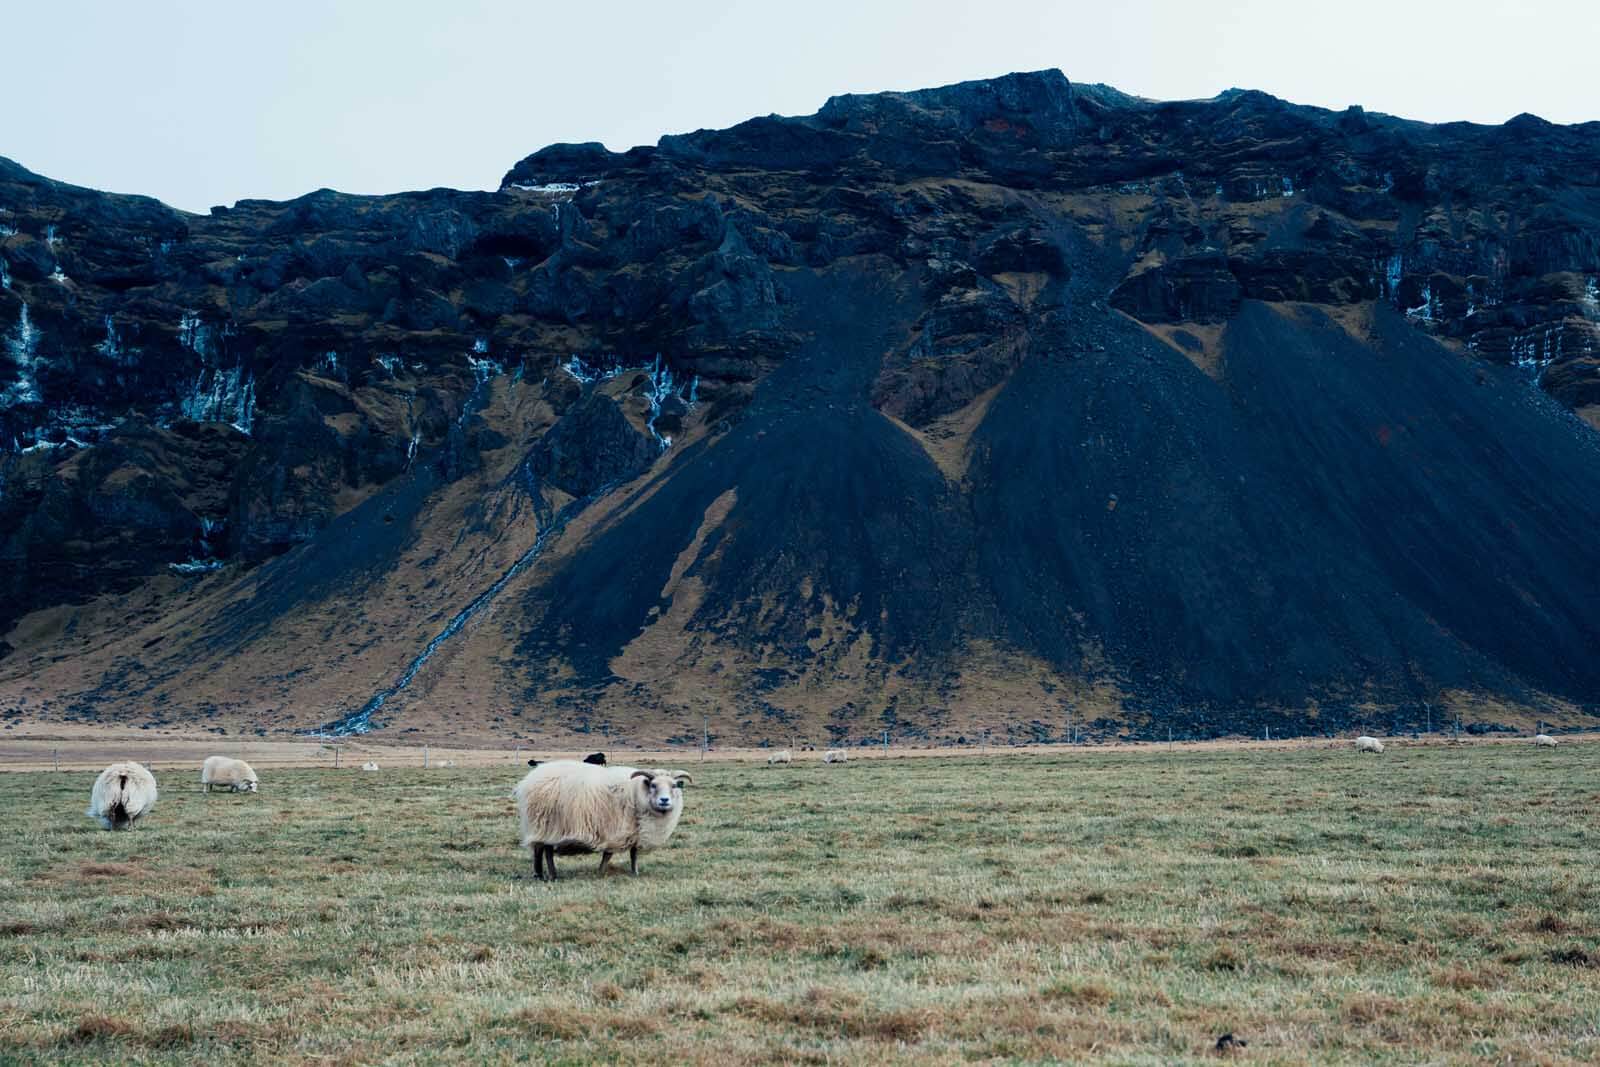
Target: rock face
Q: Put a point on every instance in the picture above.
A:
(999, 405)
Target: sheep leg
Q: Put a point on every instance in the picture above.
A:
(550, 860)
(605, 861)
(538, 861)
(633, 860)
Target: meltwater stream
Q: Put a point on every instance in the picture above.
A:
(360, 721)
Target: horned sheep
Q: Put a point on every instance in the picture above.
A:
(122, 795)
(223, 772)
(835, 755)
(781, 756)
(1545, 741)
(369, 766)
(1369, 744)
(569, 808)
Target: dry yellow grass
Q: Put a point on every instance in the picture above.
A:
(1436, 904)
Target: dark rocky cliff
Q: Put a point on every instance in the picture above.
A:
(1000, 404)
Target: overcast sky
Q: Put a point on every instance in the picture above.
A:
(203, 103)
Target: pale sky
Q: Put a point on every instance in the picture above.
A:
(203, 103)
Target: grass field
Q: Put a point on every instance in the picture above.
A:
(1429, 905)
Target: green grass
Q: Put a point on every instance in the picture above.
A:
(1429, 905)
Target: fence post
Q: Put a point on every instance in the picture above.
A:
(424, 757)
(886, 742)
(705, 736)
(55, 757)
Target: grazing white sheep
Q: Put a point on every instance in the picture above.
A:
(835, 755)
(369, 766)
(567, 807)
(221, 772)
(1545, 741)
(1368, 744)
(123, 794)
(781, 756)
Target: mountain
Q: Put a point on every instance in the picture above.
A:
(1014, 405)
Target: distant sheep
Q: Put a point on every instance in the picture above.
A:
(835, 755)
(1545, 741)
(597, 759)
(123, 794)
(221, 772)
(782, 756)
(446, 763)
(567, 807)
(369, 766)
(1368, 744)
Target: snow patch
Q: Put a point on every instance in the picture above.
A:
(1394, 271)
(585, 373)
(1424, 310)
(222, 396)
(554, 188)
(196, 566)
(22, 344)
(1536, 349)
(660, 388)
(111, 347)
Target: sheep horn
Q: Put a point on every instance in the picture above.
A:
(642, 774)
(683, 776)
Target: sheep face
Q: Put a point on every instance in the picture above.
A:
(249, 785)
(663, 790)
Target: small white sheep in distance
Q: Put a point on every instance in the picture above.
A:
(567, 807)
(446, 763)
(222, 772)
(782, 756)
(123, 794)
(835, 755)
(1368, 744)
(1545, 741)
(369, 766)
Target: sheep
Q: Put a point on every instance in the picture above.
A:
(568, 807)
(835, 755)
(598, 759)
(221, 771)
(1545, 741)
(1369, 744)
(369, 766)
(782, 756)
(124, 793)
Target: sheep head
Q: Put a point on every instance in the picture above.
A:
(663, 789)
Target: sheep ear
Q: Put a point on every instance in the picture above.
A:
(641, 774)
(681, 777)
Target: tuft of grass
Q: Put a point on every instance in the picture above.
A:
(1437, 905)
